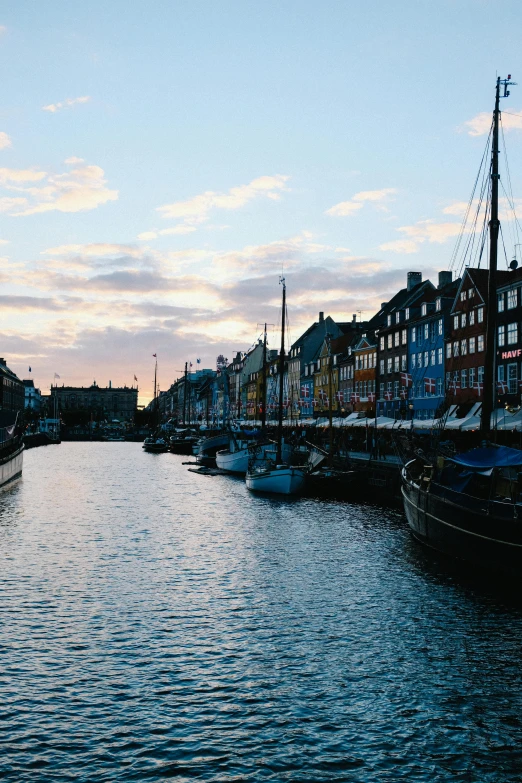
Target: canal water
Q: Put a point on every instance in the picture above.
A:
(157, 625)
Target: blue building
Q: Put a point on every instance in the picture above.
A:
(429, 325)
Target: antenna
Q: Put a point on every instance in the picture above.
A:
(506, 83)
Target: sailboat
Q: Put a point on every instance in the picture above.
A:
(469, 505)
(244, 450)
(273, 475)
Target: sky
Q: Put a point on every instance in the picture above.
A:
(163, 163)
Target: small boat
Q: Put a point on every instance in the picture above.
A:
(331, 483)
(241, 454)
(182, 442)
(155, 445)
(279, 479)
(11, 449)
(272, 475)
(205, 449)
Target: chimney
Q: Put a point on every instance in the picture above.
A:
(2, 361)
(383, 305)
(110, 384)
(354, 319)
(413, 279)
(445, 278)
(321, 317)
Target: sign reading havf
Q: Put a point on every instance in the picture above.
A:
(512, 354)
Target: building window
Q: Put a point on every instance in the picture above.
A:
(463, 347)
(481, 375)
(396, 338)
(471, 377)
(439, 356)
(512, 298)
(512, 378)
(471, 317)
(455, 348)
(439, 322)
(501, 302)
(463, 296)
(413, 334)
(438, 304)
(512, 333)
(426, 331)
(381, 391)
(439, 387)
(501, 335)
(419, 359)
(381, 344)
(472, 344)
(426, 358)
(396, 389)
(448, 350)
(432, 357)
(407, 314)
(396, 364)
(480, 343)
(455, 322)
(404, 362)
(404, 336)
(397, 316)
(480, 315)
(500, 372)
(463, 320)
(424, 308)
(471, 293)
(389, 320)
(463, 379)
(390, 341)
(418, 390)
(389, 365)
(413, 361)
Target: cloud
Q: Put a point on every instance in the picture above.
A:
(54, 107)
(5, 141)
(196, 210)
(350, 207)
(80, 189)
(400, 246)
(422, 231)
(181, 229)
(480, 125)
(94, 249)
(2, 29)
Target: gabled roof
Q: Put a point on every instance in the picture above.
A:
(399, 301)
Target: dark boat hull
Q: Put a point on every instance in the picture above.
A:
(486, 534)
(11, 463)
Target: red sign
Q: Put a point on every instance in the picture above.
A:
(512, 354)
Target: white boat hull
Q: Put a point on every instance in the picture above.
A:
(237, 461)
(11, 468)
(281, 481)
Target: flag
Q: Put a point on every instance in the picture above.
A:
(190, 364)
(29, 369)
(406, 379)
(503, 387)
(354, 397)
(429, 385)
(339, 396)
(154, 355)
(135, 379)
(388, 395)
(305, 391)
(56, 375)
(478, 386)
(198, 361)
(371, 397)
(404, 393)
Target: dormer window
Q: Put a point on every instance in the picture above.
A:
(462, 296)
(424, 309)
(398, 316)
(389, 320)
(407, 314)
(438, 303)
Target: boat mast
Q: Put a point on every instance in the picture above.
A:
(263, 387)
(330, 402)
(281, 377)
(185, 394)
(155, 392)
(494, 227)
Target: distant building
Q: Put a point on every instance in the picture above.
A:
(12, 394)
(33, 396)
(109, 402)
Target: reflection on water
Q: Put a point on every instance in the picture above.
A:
(158, 624)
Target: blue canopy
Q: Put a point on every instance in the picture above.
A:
(481, 459)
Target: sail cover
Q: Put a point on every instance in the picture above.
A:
(481, 459)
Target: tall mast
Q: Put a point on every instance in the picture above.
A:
(263, 387)
(281, 377)
(155, 391)
(185, 394)
(330, 403)
(494, 226)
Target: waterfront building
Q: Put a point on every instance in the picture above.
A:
(12, 391)
(466, 343)
(392, 354)
(108, 402)
(32, 396)
(363, 394)
(429, 327)
(509, 339)
(300, 358)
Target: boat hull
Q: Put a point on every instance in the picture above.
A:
(282, 481)
(11, 467)
(486, 535)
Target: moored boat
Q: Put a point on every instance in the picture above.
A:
(155, 445)
(279, 479)
(11, 451)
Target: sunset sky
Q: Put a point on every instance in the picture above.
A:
(162, 162)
